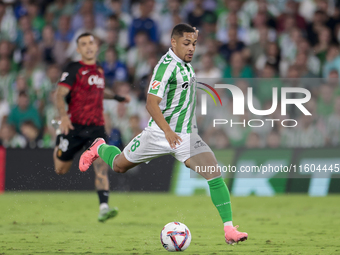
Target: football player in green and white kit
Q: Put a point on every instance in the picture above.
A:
(171, 103)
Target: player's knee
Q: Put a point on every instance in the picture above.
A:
(119, 169)
(61, 170)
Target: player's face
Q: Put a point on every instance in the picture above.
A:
(87, 47)
(184, 46)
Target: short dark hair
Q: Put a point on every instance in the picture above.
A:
(84, 35)
(179, 29)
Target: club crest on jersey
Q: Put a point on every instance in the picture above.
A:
(155, 84)
(64, 76)
(96, 80)
(183, 73)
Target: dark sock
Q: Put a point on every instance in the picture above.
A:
(103, 196)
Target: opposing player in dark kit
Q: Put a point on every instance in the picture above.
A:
(82, 86)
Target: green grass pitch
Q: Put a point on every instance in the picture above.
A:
(66, 223)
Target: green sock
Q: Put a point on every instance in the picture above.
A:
(108, 153)
(221, 198)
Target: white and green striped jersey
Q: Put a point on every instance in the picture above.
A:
(174, 81)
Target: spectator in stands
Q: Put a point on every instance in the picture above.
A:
(233, 44)
(25, 26)
(208, 69)
(324, 42)
(144, 23)
(63, 37)
(255, 50)
(38, 22)
(292, 8)
(273, 140)
(4, 110)
(238, 67)
(253, 141)
(332, 60)
(8, 24)
(23, 111)
(196, 16)
(114, 70)
(313, 63)
(272, 56)
(6, 51)
(47, 46)
(211, 47)
(260, 21)
(111, 41)
(57, 9)
(31, 133)
(333, 124)
(123, 17)
(325, 103)
(9, 138)
(7, 79)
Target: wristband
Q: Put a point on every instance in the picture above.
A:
(119, 98)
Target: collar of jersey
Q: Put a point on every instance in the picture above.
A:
(174, 56)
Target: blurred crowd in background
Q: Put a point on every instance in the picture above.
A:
(281, 42)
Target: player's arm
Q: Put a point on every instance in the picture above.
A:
(152, 106)
(66, 124)
(108, 94)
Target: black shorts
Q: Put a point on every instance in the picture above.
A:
(81, 136)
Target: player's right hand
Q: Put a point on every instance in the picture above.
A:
(173, 139)
(65, 125)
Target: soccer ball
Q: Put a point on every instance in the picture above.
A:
(175, 236)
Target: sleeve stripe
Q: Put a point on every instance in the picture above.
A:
(64, 85)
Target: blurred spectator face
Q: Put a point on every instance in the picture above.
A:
(146, 8)
(64, 24)
(32, 57)
(324, 36)
(29, 38)
(25, 23)
(7, 132)
(232, 34)
(296, 35)
(5, 49)
(123, 89)
(5, 66)
(326, 93)
(268, 72)
(322, 5)
(152, 61)
(293, 72)
(48, 33)
(89, 22)
(333, 75)
(33, 10)
(289, 23)
(134, 122)
(253, 141)
(332, 53)
(87, 7)
(29, 130)
(260, 19)
(292, 7)
(233, 5)
(53, 73)
(273, 140)
(301, 60)
(319, 17)
(141, 39)
(273, 50)
(207, 62)
(237, 61)
(111, 37)
(262, 5)
(232, 19)
(113, 23)
(116, 5)
(21, 84)
(303, 46)
(23, 101)
(121, 110)
(110, 56)
(174, 5)
(2, 9)
(87, 47)
(263, 31)
(210, 45)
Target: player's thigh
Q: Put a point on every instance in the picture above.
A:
(204, 164)
(121, 164)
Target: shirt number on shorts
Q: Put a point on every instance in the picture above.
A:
(136, 144)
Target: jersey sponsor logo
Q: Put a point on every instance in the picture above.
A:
(185, 85)
(155, 84)
(63, 76)
(96, 80)
(85, 72)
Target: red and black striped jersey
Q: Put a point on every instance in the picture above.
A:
(85, 100)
